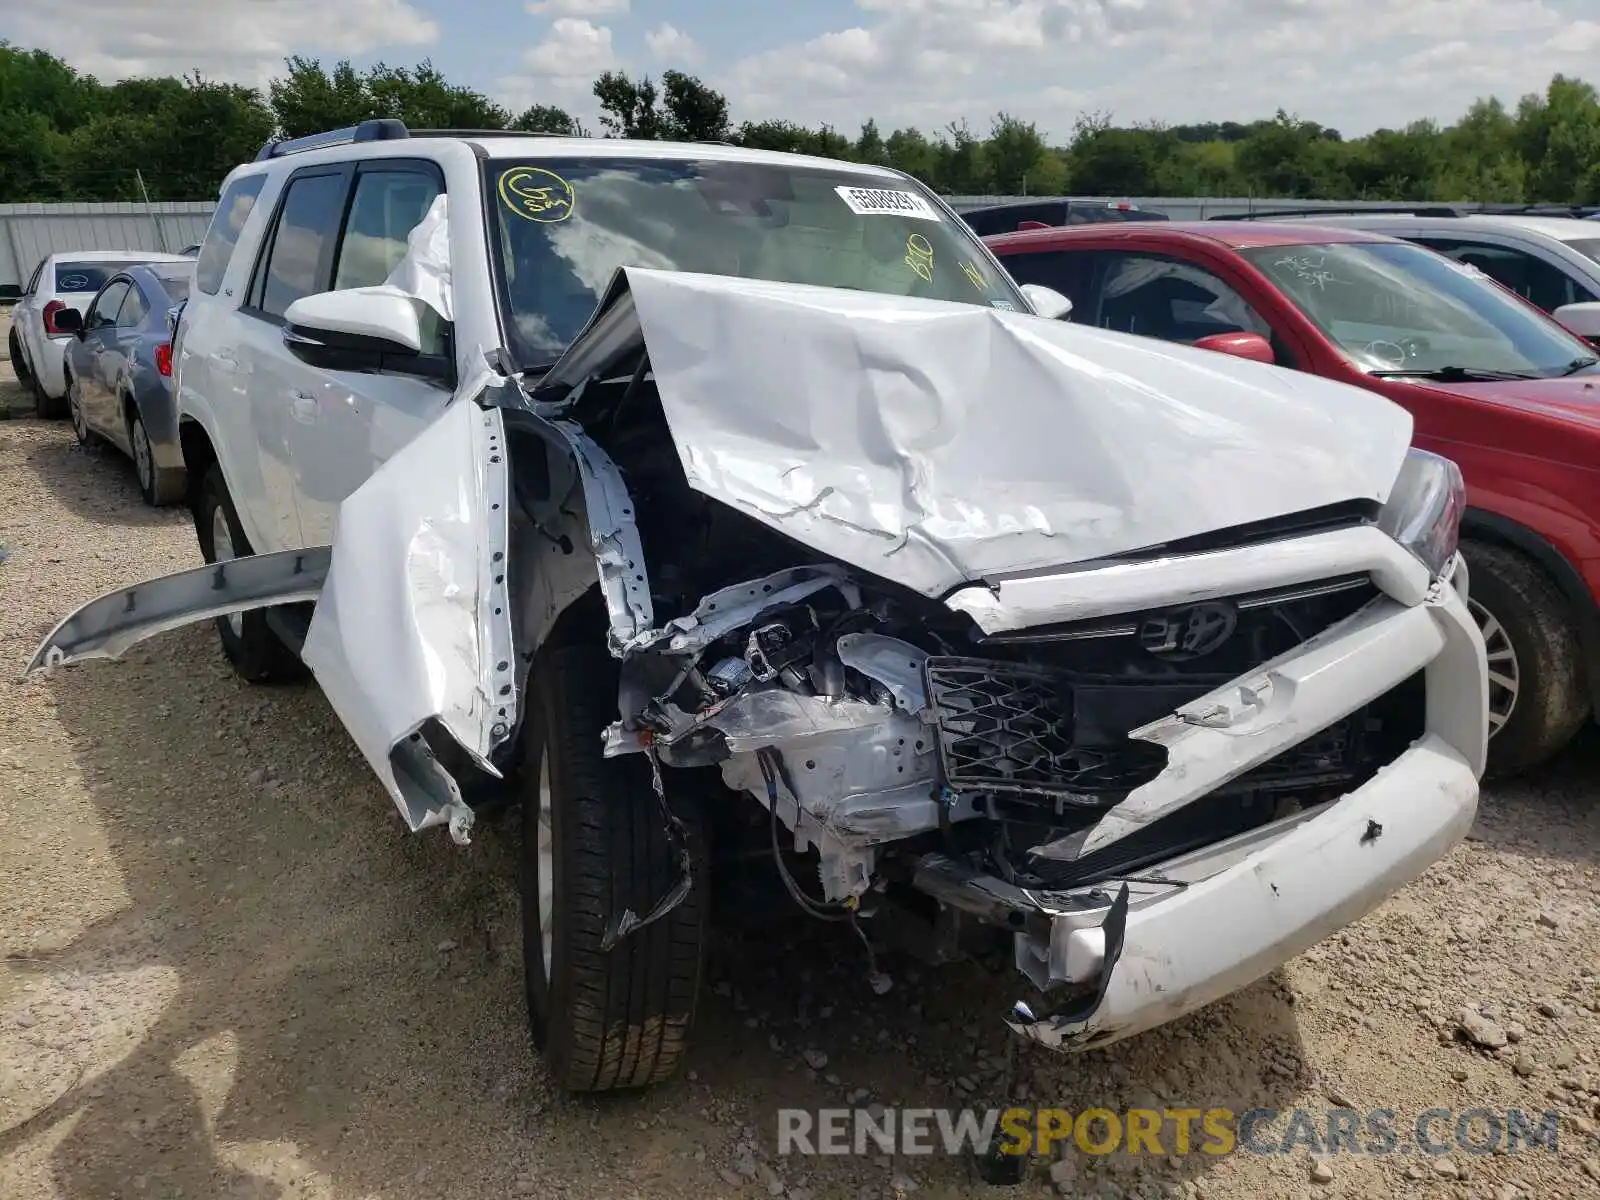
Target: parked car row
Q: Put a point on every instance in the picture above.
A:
(713, 506)
(91, 340)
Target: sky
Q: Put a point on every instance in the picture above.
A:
(1356, 65)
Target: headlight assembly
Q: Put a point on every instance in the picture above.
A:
(1424, 509)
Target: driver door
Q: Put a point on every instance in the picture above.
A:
(99, 331)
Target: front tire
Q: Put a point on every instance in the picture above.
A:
(248, 643)
(80, 423)
(157, 485)
(593, 845)
(1538, 693)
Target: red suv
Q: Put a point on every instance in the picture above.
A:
(1490, 382)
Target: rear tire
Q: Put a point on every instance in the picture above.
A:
(46, 408)
(1538, 694)
(606, 1020)
(19, 368)
(248, 642)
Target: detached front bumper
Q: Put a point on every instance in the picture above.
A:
(1206, 923)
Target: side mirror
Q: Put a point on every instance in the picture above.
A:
(69, 320)
(1241, 345)
(354, 329)
(1581, 319)
(1047, 302)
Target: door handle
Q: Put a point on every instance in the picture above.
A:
(304, 406)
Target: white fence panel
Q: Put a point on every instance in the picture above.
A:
(29, 232)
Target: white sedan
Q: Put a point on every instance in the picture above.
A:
(60, 282)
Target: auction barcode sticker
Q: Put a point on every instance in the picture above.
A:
(879, 202)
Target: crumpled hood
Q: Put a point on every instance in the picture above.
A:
(935, 444)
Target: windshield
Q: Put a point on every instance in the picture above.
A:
(1402, 309)
(562, 228)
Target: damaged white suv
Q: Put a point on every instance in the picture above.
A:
(714, 502)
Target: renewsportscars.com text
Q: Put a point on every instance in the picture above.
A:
(1167, 1131)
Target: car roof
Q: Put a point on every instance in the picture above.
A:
(1237, 235)
(1564, 229)
(111, 256)
(533, 147)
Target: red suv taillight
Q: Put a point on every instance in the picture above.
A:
(164, 359)
(50, 311)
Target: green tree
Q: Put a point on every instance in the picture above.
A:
(1559, 138)
(309, 99)
(1108, 161)
(870, 146)
(1014, 153)
(547, 118)
(694, 112)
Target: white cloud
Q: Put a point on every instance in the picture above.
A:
(573, 50)
(576, 8)
(672, 46)
(239, 40)
(1353, 64)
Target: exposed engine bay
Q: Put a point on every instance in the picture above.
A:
(896, 745)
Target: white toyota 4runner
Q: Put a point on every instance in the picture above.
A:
(708, 501)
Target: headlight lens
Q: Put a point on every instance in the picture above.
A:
(1424, 509)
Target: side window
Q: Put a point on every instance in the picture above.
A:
(299, 254)
(103, 311)
(1532, 278)
(1170, 299)
(134, 309)
(386, 207)
(1066, 271)
(223, 234)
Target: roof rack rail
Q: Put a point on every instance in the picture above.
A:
(1545, 209)
(367, 131)
(383, 130)
(1410, 210)
(488, 133)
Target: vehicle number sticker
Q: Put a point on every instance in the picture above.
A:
(880, 202)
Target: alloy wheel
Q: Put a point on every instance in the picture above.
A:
(143, 458)
(222, 548)
(80, 423)
(1505, 672)
(546, 850)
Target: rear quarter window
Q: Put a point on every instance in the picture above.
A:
(233, 209)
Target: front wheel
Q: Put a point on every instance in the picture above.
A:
(80, 422)
(594, 844)
(1538, 693)
(159, 486)
(257, 654)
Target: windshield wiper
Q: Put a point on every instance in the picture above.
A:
(1576, 365)
(1453, 374)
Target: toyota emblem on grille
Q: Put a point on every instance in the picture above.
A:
(1188, 632)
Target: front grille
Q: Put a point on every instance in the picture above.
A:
(1009, 727)
(1050, 715)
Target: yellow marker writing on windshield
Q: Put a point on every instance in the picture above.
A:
(919, 257)
(536, 194)
(975, 276)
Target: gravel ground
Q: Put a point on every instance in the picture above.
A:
(229, 971)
